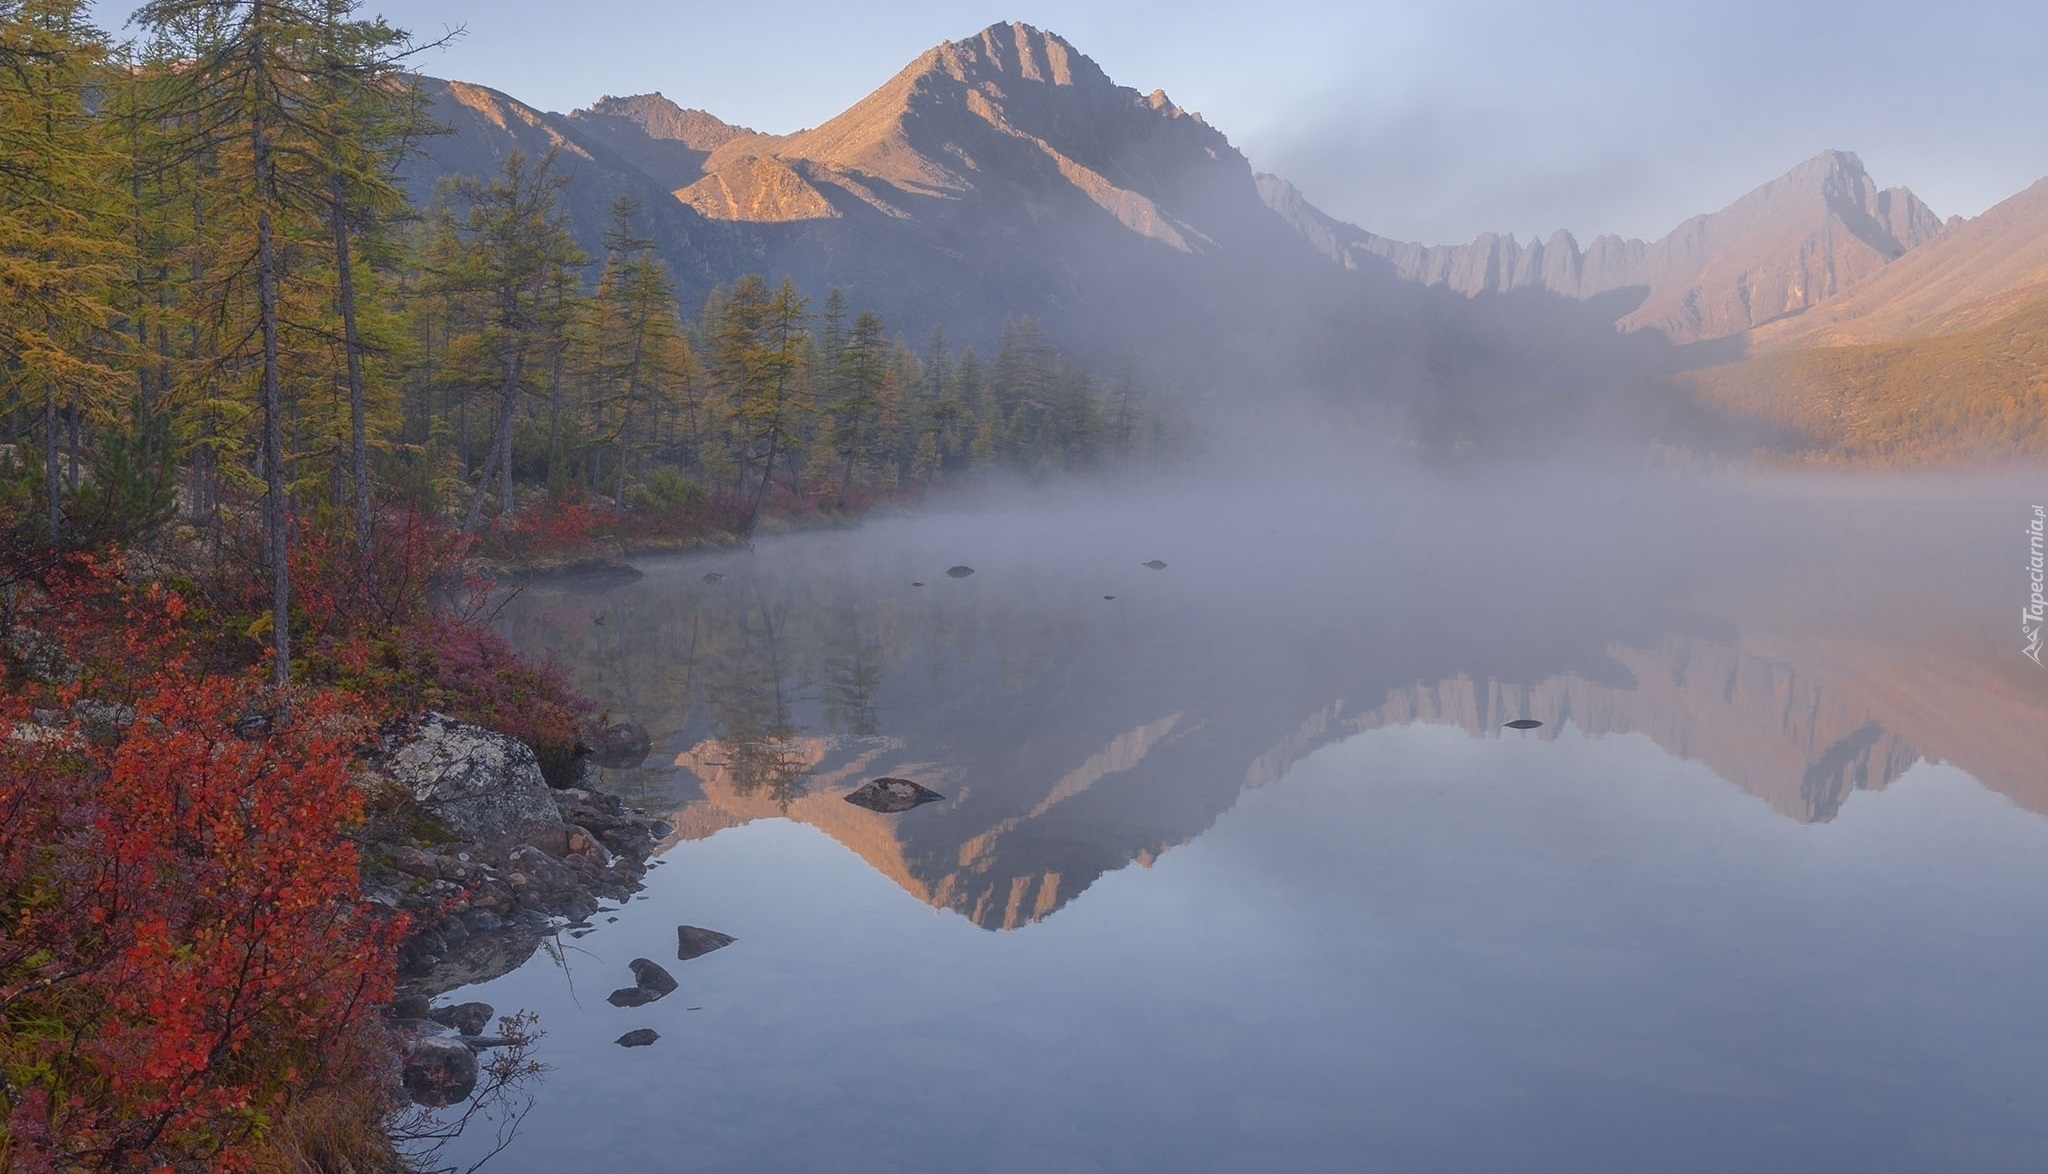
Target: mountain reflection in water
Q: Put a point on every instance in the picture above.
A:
(1074, 738)
(1672, 928)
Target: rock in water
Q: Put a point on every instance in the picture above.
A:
(892, 795)
(466, 1018)
(1524, 723)
(649, 976)
(623, 745)
(439, 1072)
(639, 1038)
(478, 783)
(1155, 564)
(650, 982)
(713, 578)
(960, 572)
(693, 942)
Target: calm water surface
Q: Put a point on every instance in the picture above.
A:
(1239, 871)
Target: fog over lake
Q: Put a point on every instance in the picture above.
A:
(1238, 868)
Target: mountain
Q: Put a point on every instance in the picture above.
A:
(484, 126)
(1975, 273)
(995, 177)
(1822, 228)
(1006, 174)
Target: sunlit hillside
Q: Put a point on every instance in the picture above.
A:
(1977, 396)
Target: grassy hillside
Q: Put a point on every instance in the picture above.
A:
(1974, 397)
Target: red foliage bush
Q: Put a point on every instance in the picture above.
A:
(365, 621)
(182, 945)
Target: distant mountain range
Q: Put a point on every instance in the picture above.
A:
(1006, 175)
(1812, 233)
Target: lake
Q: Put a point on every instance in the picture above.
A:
(1242, 869)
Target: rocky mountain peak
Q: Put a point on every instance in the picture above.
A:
(1014, 51)
(1807, 235)
(659, 118)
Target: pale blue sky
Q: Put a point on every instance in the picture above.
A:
(1423, 120)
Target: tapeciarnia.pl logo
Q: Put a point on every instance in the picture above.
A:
(2031, 621)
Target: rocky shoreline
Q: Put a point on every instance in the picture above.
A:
(487, 861)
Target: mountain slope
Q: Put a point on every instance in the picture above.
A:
(657, 136)
(1978, 396)
(485, 126)
(1817, 230)
(1978, 271)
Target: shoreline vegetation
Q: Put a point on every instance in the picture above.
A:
(268, 432)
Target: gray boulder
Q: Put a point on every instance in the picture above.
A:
(480, 784)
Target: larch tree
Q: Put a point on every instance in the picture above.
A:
(62, 252)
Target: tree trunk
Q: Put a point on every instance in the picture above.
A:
(555, 418)
(626, 417)
(509, 408)
(53, 484)
(852, 451)
(767, 479)
(276, 518)
(501, 450)
(345, 302)
(71, 415)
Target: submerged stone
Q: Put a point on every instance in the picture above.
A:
(639, 1037)
(1524, 723)
(1155, 564)
(960, 572)
(892, 795)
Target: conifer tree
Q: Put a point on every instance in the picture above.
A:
(61, 250)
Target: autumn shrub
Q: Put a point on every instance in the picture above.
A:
(184, 954)
(560, 525)
(396, 625)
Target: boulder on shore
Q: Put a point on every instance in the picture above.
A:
(478, 783)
